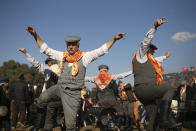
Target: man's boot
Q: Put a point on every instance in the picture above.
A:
(165, 122)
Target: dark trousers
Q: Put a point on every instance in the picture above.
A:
(18, 107)
(151, 110)
(5, 122)
(148, 94)
(28, 113)
(37, 116)
(107, 99)
(51, 114)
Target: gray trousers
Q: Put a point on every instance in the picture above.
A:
(151, 92)
(148, 94)
(70, 100)
(51, 114)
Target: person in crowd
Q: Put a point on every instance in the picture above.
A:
(184, 94)
(94, 97)
(18, 99)
(142, 116)
(148, 81)
(128, 99)
(193, 85)
(4, 105)
(29, 102)
(73, 68)
(51, 73)
(37, 115)
(193, 82)
(185, 98)
(85, 105)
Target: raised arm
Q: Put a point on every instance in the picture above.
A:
(37, 38)
(38, 65)
(162, 58)
(148, 38)
(93, 55)
(57, 55)
(89, 79)
(122, 75)
(118, 36)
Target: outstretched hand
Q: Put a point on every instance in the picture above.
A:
(119, 36)
(30, 30)
(158, 22)
(167, 54)
(22, 50)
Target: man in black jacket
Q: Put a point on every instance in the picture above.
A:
(18, 98)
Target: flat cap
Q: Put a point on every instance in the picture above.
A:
(103, 67)
(50, 59)
(72, 39)
(152, 46)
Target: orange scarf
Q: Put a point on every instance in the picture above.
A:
(72, 59)
(123, 94)
(157, 66)
(136, 112)
(103, 79)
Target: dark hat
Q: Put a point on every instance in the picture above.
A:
(72, 39)
(51, 60)
(152, 46)
(103, 67)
